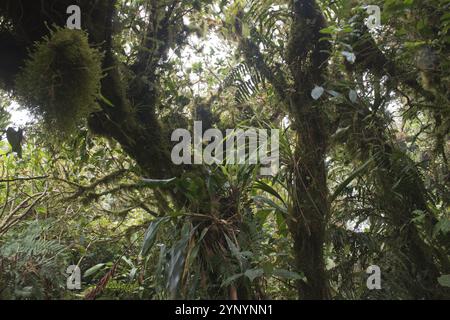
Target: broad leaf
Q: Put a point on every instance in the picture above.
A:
(150, 235)
(231, 279)
(317, 92)
(93, 270)
(286, 274)
(444, 280)
(252, 274)
(265, 187)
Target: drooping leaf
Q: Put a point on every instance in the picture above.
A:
(93, 270)
(252, 274)
(350, 178)
(233, 248)
(231, 279)
(177, 259)
(271, 204)
(150, 235)
(340, 132)
(154, 183)
(265, 187)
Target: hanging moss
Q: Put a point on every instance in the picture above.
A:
(61, 79)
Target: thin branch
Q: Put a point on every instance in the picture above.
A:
(23, 179)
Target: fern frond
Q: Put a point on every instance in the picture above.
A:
(246, 79)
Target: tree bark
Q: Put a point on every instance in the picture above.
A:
(307, 57)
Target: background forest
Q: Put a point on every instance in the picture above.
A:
(364, 121)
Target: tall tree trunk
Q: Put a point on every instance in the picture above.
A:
(311, 208)
(307, 57)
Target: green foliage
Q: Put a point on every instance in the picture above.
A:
(61, 79)
(31, 266)
(4, 115)
(245, 79)
(223, 231)
(444, 280)
(150, 235)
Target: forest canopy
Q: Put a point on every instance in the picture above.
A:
(93, 205)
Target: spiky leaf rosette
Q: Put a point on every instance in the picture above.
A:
(61, 79)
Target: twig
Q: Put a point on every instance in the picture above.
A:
(23, 179)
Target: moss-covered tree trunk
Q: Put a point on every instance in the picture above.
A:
(307, 57)
(311, 207)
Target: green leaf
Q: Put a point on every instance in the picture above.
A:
(442, 226)
(444, 280)
(5, 148)
(340, 132)
(350, 178)
(150, 235)
(286, 274)
(106, 101)
(268, 269)
(154, 183)
(414, 44)
(272, 204)
(176, 263)
(252, 274)
(93, 270)
(25, 292)
(233, 248)
(329, 30)
(265, 187)
(231, 279)
(263, 214)
(128, 261)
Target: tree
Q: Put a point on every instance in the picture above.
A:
(363, 151)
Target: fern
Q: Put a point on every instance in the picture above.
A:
(30, 265)
(245, 79)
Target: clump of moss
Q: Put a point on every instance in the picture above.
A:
(61, 79)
